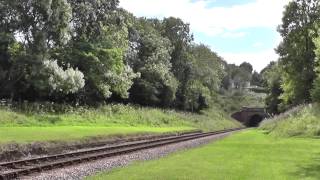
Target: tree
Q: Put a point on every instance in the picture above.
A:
(297, 57)
(89, 18)
(91, 52)
(256, 79)
(104, 70)
(208, 66)
(236, 77)
(157, 85)
(246, 67)
(51, 49)
(29, 30)
(207, 73)
(315, 93)
(180, 37)
(272, 75)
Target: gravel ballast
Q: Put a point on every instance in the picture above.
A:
(87, 169)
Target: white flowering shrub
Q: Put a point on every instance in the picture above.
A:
(67, 81)
(122, 82)
(105, 89)
(106, 72)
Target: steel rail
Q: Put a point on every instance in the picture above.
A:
(29, 166)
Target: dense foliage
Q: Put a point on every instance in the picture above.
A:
(91, 52)
(239, 77)
(315, 93)
(272, 79)
(295, 78)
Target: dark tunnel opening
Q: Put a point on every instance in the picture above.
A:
(254, 121)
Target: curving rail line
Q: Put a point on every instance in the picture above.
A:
(15, 169)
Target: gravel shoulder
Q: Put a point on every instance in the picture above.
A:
(87, 169)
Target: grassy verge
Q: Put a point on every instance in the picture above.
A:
(246, 155)
(77, 123)
(67, 133)
(301, 121)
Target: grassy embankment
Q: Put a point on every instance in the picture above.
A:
(233, 101)
(303, 121)
(247, 155)
(37, 122)
(37, 125)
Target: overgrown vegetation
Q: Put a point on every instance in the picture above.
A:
(45, 123)
(303, 121)
(114, 114)
(294, 79)
(68, 63)
(247, 155)
(233, 101)
(94, 52)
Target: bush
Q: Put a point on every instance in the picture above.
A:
(38, 107)
(315, 92)
(67, 81)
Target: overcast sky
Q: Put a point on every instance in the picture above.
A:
(238, 30)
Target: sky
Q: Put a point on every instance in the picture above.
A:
(238, 30)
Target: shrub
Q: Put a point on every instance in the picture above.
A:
(315, 92)
(67, 81)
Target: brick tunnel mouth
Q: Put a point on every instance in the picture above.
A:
(254, 121)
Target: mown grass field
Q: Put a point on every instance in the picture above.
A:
(78, 123)
(247, 155)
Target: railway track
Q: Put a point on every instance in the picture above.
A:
(15, 169)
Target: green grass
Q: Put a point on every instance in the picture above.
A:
(77, 123)
(246, 155)
(119, 115)
(67, 133)
(303, 121)
(233, 101)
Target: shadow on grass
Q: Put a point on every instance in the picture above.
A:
(310, 170)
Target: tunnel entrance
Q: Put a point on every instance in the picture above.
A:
(254, 121)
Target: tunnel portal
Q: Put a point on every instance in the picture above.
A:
(250, 117)
(254, 121)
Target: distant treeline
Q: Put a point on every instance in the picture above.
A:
(91, 52)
